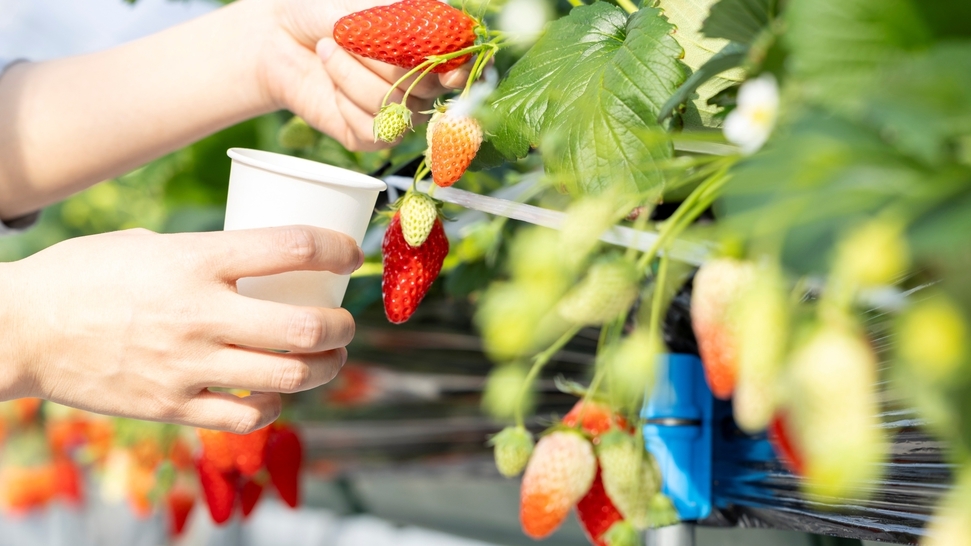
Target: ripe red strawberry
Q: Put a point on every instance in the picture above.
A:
(597, 514)
(781, 440)
(180, 501)
(716, 286)
(248, 450)
(284, 455)
(453, 141)
(559, 474)
(405, 33)
(409, 271)
(597, 417)
(249, 494)
(218, 488)
(217, 448)
(67, 481)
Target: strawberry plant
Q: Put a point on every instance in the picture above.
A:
(829, 141)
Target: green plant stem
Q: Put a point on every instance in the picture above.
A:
(480, 63)
(657, 300)
(435, 60)
(404, 98)
(628, 6)
(422, 170)
(696, 203)
(539, 361)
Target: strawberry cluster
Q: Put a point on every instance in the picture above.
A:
(591, 462)
(234, 468)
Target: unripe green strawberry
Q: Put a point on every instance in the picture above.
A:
(630, 477)
(391, 122)
(406, 33)
(632, 366)
(608, 290)
(559, 473)
(933, 338)
(513, 446)
(454, 139)
(418, 215)
(873, 254)
(296, 134)
(717, 286)
(621, 533)
(662, 512)
(832, 409)
(502, 392)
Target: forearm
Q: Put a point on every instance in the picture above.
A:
(69, 123)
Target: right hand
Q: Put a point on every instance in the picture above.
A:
(140, 325)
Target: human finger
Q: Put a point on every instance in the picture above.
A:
(231, 413)
(267, 251)
(254, 370)
(262, 324)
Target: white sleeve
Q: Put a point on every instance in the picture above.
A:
(24, 222)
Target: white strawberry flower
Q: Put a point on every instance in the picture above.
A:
(751, 122)
(465, 106)
(523, 20)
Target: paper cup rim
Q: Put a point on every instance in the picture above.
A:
(306, 169)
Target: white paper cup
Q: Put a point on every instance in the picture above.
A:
(270, 190)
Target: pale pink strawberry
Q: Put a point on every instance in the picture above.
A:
(558, 475)
(717, 286)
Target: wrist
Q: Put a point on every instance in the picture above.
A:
(15, 381)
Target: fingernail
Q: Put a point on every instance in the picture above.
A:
(360, 259)
(326, 48)
(343, 356)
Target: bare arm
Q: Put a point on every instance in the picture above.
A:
(69, 123)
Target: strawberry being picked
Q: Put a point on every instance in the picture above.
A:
(284, 457)
(406, 33)
(409, 271)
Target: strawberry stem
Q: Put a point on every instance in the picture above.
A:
(402, 79)
(539, 361)
(628, 6)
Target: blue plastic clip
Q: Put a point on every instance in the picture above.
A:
(679, 433)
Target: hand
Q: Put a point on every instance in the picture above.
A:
(306, 72)
(138, 324)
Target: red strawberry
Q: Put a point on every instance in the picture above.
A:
(596, 513)
(409, 271)
(597, 417)
(180, 501)
(781, 441)
(453, 141)
(558, 475)
(67, 481)
(217, 448)
(248, 450)
(284, 455)
(218, 488)
(249, 495)
(717, 285)
(405, 33)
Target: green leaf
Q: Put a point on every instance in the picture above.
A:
(739, 20)
(923, 104)
(688, 16)
(589, 92)
(730, 57)
(808, 186)
(838, 46)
